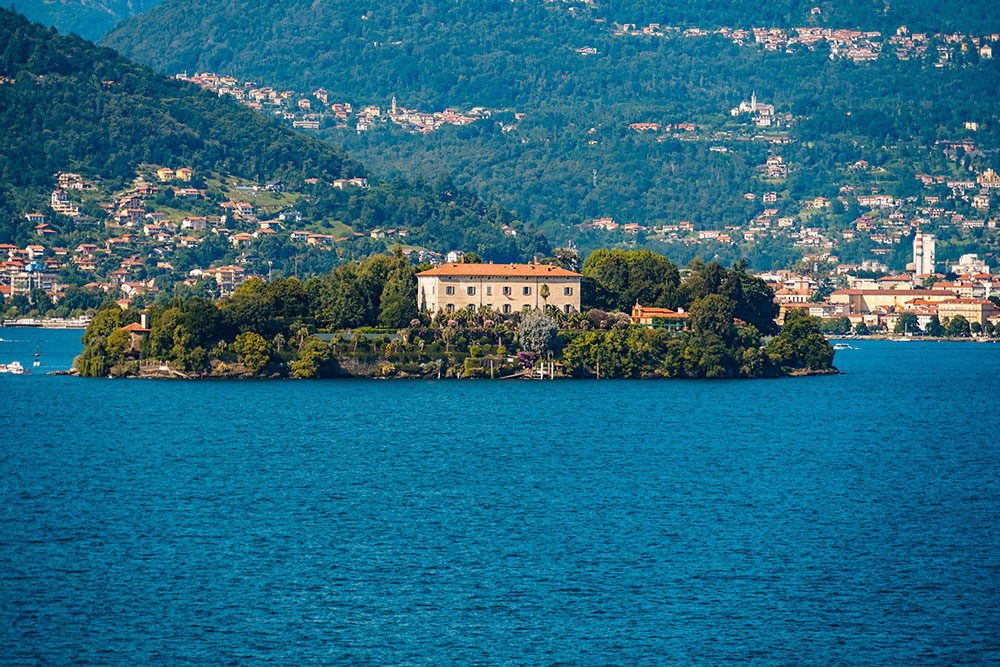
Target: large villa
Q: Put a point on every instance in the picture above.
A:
(503, 287)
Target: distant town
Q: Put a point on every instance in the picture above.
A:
(855, 45)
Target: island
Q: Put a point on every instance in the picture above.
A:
(626, 314)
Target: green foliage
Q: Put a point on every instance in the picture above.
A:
(537, 331)
(72, 105)
(619, 279)
(193, 333)
(958, 327)
(906, 323)
(253, 350)
(835, 325)
(862, 329)
(934, 327)
(315, 360)
(800, 344)
(398, 301)
(889, 112)
(713, 315)
(91, 19)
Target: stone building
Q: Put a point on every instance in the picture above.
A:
(504, 287)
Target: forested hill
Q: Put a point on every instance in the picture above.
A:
(90, 19)
(493, 52)
(67, 105)
(614, 110)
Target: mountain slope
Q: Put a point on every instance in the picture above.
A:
(493, 53)
(90, 19)
(68, 105)
(593, 119)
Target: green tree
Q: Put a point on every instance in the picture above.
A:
(800, 344)
(906, 323)
(315, 359)
(713, 314)
(537, 331)
(958, 327)
(934, 327)
(253, 351)
(398, 301)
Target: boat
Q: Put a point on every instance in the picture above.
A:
(4, 369)
(37, 362)
(843, 346)
(15, 367)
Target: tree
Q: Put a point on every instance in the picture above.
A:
(862, 329)
(934, 327)
(537, 331)
(958, 327)
(906, 323)
(253, 351)
(713, 314)
(398, 301)
(315, 360)
(836, 325)
(800, 344)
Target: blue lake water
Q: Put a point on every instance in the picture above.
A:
(846, 520)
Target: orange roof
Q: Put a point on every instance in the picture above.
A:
(643, 311)
(501, 271)
(970, 301)
(135, 327)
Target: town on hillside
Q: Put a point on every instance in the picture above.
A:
(857, 45)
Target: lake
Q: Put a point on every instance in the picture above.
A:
(835, 520)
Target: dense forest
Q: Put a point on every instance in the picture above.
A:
(372, 328)
(572, 156)
(90, 19)
(67, 105)
(498, 53)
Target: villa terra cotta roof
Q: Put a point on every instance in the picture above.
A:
(135, 327)
(500, 271)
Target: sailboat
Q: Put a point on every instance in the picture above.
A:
(38, 361)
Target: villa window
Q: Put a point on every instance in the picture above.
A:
(526, 291)
(506, 290)
(450, 308)
(449, 290)
(471, 291)
(506, 308)
(568, 291)
(489, 291)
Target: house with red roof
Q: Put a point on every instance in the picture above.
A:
(505, 288)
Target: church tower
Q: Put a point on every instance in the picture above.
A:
(753, 102)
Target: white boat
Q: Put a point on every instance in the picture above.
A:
(15, 367)
(843, 346)
(4, 369)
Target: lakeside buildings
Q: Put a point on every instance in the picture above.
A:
(504, 287)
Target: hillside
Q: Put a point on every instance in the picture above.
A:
(570, 114)
(67, 105)
(493, 53)
(90, 19)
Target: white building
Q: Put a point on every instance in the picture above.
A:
(923, 253)
(970, 264)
